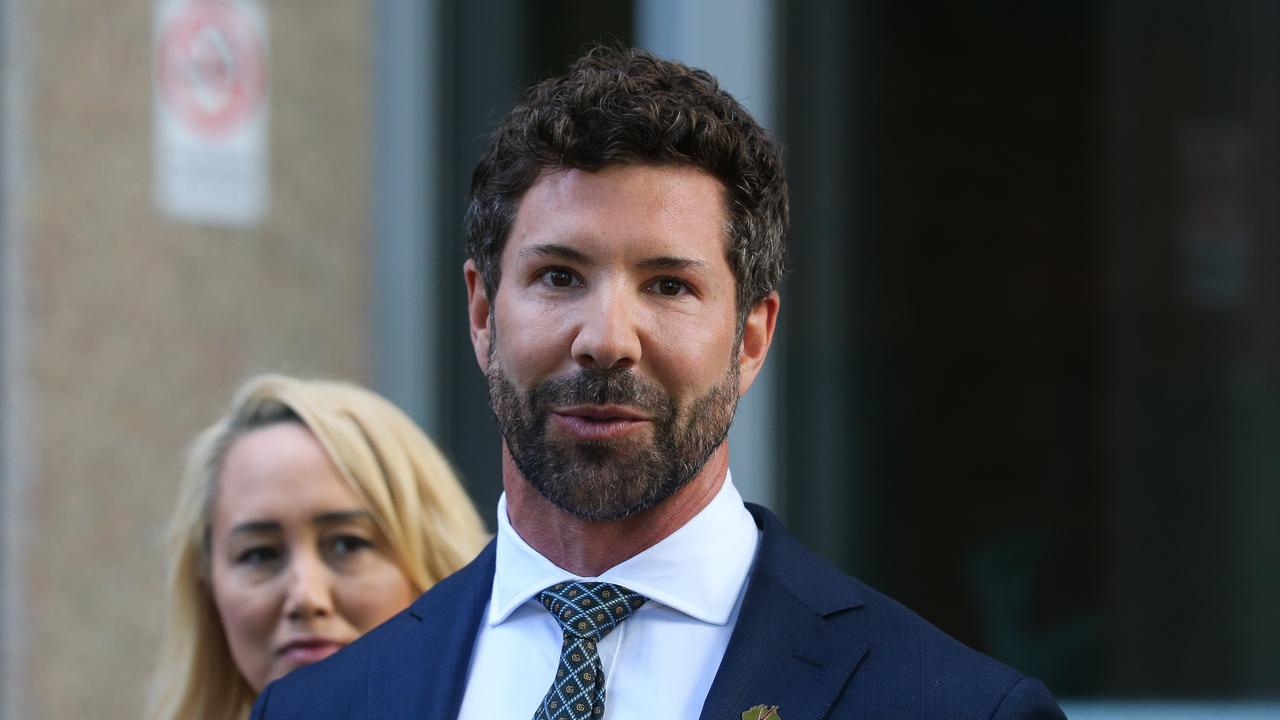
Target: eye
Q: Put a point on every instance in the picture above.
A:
(558, 277)
(348, 544)
(670, 287)
(258, 555)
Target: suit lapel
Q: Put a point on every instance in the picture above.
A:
(424, 675)
(799, 635)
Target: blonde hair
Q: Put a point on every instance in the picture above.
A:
(393, 468)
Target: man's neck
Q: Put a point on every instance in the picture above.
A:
(587, 547)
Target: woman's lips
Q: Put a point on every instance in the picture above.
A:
(305, 652)
(603, 422)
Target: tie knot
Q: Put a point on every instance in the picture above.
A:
(589, 610)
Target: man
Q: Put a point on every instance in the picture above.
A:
(626, 237)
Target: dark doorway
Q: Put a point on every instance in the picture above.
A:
(1028, 371)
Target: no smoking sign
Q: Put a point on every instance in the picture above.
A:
(210, 108)
(209, 66)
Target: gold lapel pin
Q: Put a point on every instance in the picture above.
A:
(762, 712)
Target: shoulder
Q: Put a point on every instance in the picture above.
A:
(952, 680)
(905, 660)
(429, 639)
(336, 687)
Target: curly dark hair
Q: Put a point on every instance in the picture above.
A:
(626, 106)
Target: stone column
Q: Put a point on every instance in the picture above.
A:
(124, 330)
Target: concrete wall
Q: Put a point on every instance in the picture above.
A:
(125, 331)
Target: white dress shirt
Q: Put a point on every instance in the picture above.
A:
(658, 663)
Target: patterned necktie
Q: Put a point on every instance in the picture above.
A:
(586, 611)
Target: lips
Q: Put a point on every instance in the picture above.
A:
(309, 650)
(599, 422)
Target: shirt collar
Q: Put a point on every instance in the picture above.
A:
(698, 570)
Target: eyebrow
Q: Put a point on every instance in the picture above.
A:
(564, 252)
(336, 517)
(556, 250)
(342, 516)
(670, 262)
(256, 526)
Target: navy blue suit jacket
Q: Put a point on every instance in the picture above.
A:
(809, 639)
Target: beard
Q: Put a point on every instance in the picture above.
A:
(616, 478)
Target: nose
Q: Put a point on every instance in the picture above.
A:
(308, 593)
(608, 336)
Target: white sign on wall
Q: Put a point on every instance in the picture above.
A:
(210, 158)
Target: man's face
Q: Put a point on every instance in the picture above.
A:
(611, 346)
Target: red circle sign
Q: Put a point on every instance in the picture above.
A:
(210, 66)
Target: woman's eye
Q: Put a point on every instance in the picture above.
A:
(347, 544)
(670, 287)
(558, 277)
(258, 556)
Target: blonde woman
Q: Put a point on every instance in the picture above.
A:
(310, 514)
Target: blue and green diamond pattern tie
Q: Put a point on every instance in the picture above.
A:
(586, 612)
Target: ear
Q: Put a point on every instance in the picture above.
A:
(477, 313)
(757, 335)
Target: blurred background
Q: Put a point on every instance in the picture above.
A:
(1027, 379)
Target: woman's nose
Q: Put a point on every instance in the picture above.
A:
(308, 594)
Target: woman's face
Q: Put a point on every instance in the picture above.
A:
(298, 568)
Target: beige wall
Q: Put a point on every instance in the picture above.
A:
(134, 328)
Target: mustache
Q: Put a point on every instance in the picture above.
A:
(599, 387)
